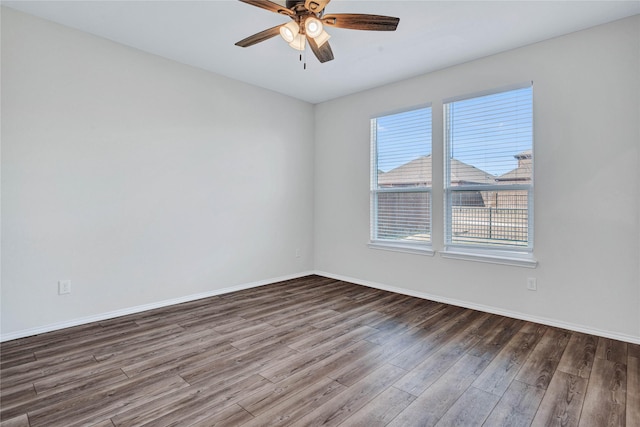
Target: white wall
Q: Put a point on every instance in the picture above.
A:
(140, 179)
(587, 218)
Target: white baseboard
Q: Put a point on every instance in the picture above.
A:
(485, 308)
(145, 307)
(465, 304)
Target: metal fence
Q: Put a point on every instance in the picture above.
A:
(404, 215)
(504, 226)
(477, 217)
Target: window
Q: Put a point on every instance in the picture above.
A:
(401, 180)
(489, 172)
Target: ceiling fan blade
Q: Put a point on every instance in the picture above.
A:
(259, 37)
(316, 6)
(359, 21)
(323, 53)
(269, 5)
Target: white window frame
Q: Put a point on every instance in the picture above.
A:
(495, 254)
(416, 247)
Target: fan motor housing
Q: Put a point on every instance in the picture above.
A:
(291, 4)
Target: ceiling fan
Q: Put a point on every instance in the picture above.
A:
(308, 22)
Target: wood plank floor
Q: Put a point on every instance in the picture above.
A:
(316, 351)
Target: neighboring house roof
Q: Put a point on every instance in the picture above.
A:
(418, 171)
(522, 173)
(415, 172)
(462, 173)
(527, 154)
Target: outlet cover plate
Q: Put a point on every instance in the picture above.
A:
(532, 284)
(64, 287)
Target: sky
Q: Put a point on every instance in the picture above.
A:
(486, 132)
(403, 137)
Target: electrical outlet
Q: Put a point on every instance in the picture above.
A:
(64, 287)
(532, 284)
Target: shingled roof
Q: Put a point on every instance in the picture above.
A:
(523, 172)
(416, 172)
(419, 172)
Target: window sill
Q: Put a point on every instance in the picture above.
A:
(399, 247)
(492, 257)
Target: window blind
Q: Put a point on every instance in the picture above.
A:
(401, 177)
(489, 170)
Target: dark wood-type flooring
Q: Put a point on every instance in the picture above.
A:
(316, 351)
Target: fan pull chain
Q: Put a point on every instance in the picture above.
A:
(304, 65)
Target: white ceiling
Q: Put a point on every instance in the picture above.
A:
(431, 35)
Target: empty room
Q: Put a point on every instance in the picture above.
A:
(305, 213)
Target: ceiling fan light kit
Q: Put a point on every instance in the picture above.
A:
(322, 38)
(313, 27)
(298, 42)
(308, 22)
(289, 31)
